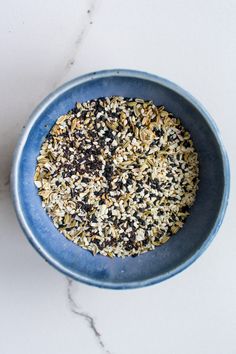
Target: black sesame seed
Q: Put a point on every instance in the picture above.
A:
(108, 171)
(97, 193)
(99, 108)
(102, 143)
(94, 218)
(185, 209)
(87, 207)
(92, 133)
(186, 144)
(83, 114)
(129, 181)
(129, 246)
(85, 180)
(108, 134)
(69, 228)
(169, 174)
(145, 242)
(158, 132)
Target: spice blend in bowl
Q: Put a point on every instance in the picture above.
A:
(117, 175)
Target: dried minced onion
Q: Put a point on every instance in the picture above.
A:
(117, 175)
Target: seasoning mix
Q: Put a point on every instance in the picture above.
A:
(117, 175)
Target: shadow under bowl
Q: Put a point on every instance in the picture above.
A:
(181, 250)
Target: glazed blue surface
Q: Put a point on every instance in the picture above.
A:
(165, 261)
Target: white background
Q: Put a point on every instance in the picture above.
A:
(45, 43)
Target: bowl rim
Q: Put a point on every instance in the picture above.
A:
(18, 154)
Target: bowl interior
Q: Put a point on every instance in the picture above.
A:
(146, 268)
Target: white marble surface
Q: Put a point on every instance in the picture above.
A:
(45, 43)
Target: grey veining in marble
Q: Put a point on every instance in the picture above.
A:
(82, 31)
(75, 308)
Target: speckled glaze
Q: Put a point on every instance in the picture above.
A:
(165, 261)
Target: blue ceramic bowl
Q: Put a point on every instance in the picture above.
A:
(165, 261)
